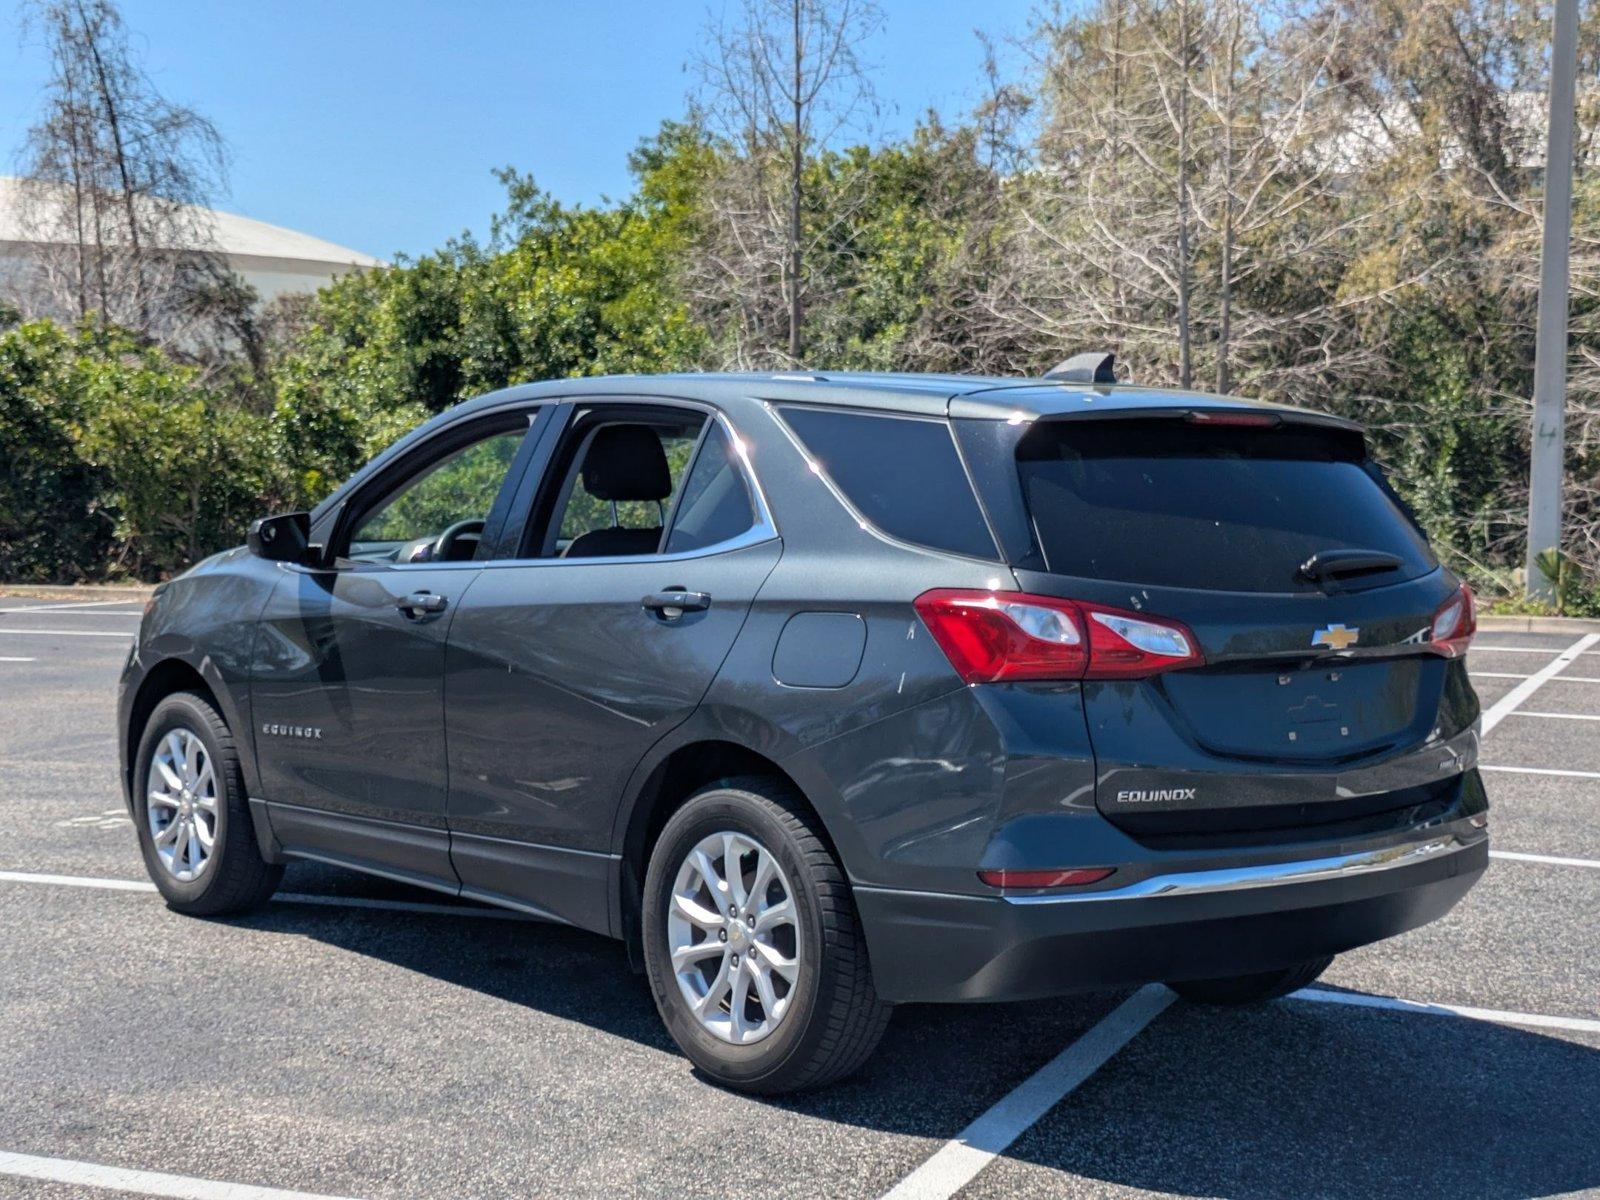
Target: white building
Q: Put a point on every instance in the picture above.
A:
(272, 260)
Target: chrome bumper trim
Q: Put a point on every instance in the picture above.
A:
(1233, 879)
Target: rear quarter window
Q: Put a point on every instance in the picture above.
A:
(1166, 503)
(902, 474)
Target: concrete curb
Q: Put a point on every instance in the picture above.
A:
(74, 591)
(1572, 625)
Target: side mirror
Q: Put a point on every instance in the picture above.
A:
(282, 538)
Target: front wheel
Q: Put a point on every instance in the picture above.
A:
(752, 944)
(1251, 989)
(191, 814)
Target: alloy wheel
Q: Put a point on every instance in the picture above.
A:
(734, 935)
(182, 803)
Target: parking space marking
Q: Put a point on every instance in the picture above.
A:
(1507, 704)
(1553, 859)
(1515, 675)
(959, 1160)
(409, 906)
(116, 633)
(1541, 771)
(1498, 1016)
(10, 659)
(69, 606)
(82, 881)
(149, 1183)
(1550, 716)
(1522, 649)
(71, 612)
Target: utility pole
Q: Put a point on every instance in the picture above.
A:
(1550, 347)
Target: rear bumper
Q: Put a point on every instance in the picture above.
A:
(931, 947)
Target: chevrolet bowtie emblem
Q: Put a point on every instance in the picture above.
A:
(1336, 637)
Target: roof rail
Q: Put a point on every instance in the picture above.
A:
(1094, 367)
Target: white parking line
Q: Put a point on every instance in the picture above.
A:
(1550, 716)
(149, 1183)
(8, 658)
(1499, 1016)
(73, 612)
(70, 606)
(1507, 704)
(409, 906)
(1552, 859)
(1478, 646)
(955, 1164)
(116, 633)
(1541, 771)
(82, 881)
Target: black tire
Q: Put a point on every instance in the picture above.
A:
(236, 878)
(835, 1019)
(1234, 990)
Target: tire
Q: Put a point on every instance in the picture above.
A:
(230, 876)
(1237, 990)
(829, 1019)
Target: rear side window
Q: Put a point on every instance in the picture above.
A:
(715, 504)
(1168, 504)
(900, 473)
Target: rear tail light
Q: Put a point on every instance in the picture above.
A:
(1454, 624)
(1059, 877)
(996, 637)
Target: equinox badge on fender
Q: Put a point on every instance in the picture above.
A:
(1336, 637)
(311, 732)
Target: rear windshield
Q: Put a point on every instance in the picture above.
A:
(1166, 503)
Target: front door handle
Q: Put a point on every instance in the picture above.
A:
(674, 602)
(421, 604)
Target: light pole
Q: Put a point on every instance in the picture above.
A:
(1550, 345)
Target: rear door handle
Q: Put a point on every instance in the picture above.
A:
(674, 602)
(420, 604)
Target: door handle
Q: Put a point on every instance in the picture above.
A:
(674, 602)
(421, 604)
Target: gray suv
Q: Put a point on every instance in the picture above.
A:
(830, 693)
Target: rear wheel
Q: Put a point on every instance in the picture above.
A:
(191, 814)
(1251, 989)
(752, 943)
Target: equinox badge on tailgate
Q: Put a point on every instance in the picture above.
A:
(1154, 795)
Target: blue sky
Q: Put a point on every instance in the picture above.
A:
(375, 123)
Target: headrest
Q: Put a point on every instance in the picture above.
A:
(626, 462)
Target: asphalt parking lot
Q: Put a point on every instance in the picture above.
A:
(358, 1039)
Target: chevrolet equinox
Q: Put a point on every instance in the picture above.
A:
(829, 693)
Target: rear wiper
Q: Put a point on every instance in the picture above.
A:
(1340, 564)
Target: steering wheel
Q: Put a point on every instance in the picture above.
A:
(444, 549)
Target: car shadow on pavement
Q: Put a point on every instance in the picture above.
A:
(937, 1067)
(1313, 1099)
(1291, 1099)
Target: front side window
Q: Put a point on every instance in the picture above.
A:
(438, 515)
